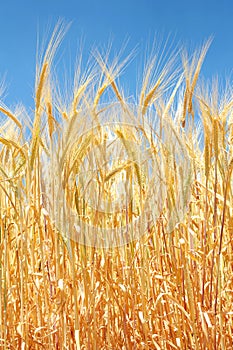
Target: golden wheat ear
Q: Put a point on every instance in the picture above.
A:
(42, 86)
(109, 73)
(191, 72)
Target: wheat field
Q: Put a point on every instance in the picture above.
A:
(85, 266)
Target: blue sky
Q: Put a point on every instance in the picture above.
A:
(101, 21)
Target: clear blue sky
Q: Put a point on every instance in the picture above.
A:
(98, 21)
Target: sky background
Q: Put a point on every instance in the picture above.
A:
(101, 21)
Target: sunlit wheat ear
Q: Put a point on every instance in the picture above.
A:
(109, 73)
(132, 154)
(151, 96)
(11, 116)
(42, 80)
(158, 76)
(52, 123)
(191, 71)
(78, 96)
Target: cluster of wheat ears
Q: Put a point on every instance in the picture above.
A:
(169, 286)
